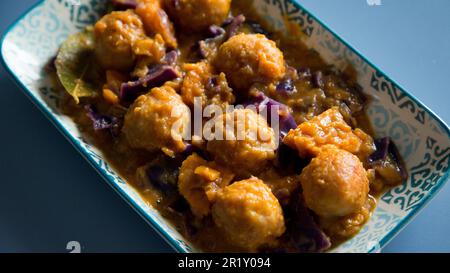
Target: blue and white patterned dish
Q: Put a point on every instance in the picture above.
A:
(423, 139)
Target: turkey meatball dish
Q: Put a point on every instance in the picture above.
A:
(285, 162)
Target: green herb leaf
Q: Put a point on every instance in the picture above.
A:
(76, 67)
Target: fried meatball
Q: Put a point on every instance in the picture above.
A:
(328, 128)
(156, 21)
(197, 15)
(157, 120)
(249, 58)
(201, 82)
(335, 183)
(243, 141)
(199, 182)
(115, 35)
(249, 214)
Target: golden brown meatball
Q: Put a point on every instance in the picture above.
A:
(149, 121)
(249, 58)
(199, 182)
(248, 142)
(249, 214)
(115, 35)
(201, 82)
(328, 128)
(156, 21)
(335, 183)
(197, 15)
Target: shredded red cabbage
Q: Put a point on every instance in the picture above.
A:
(385, 148)
(217, 34)
(157, 76)
(233, 24)
(171, 57)
(103, 122)
(124, 4)
(214, 34)
(382, 149)
(162, 173)
(286, 87)
(306, 234)
(215, 31)
(317, 79)
(304, 73)
(286, 120)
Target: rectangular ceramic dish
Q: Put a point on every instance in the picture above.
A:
(422, 138)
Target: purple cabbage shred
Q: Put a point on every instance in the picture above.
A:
(103, 122)
(317, 79)
(124, 4)
(386, 148)
(170, 58)
(382, 149)
(304, 73)
(286, 87)
(157, 76)
(215, 31)
(233, 24)
(286, 120)
(163, 174)
(306, 234)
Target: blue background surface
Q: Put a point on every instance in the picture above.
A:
(50, 195)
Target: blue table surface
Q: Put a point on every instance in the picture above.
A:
(50, 195)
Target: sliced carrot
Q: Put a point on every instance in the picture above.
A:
(110, 96)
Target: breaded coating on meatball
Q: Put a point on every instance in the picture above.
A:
(249, 214)
(199, 182)
(247, 144)
(197, 15)
(249, 58)
(115, 35)
(201, 82)
(335, 183)
(327, 128)
(157, 120)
